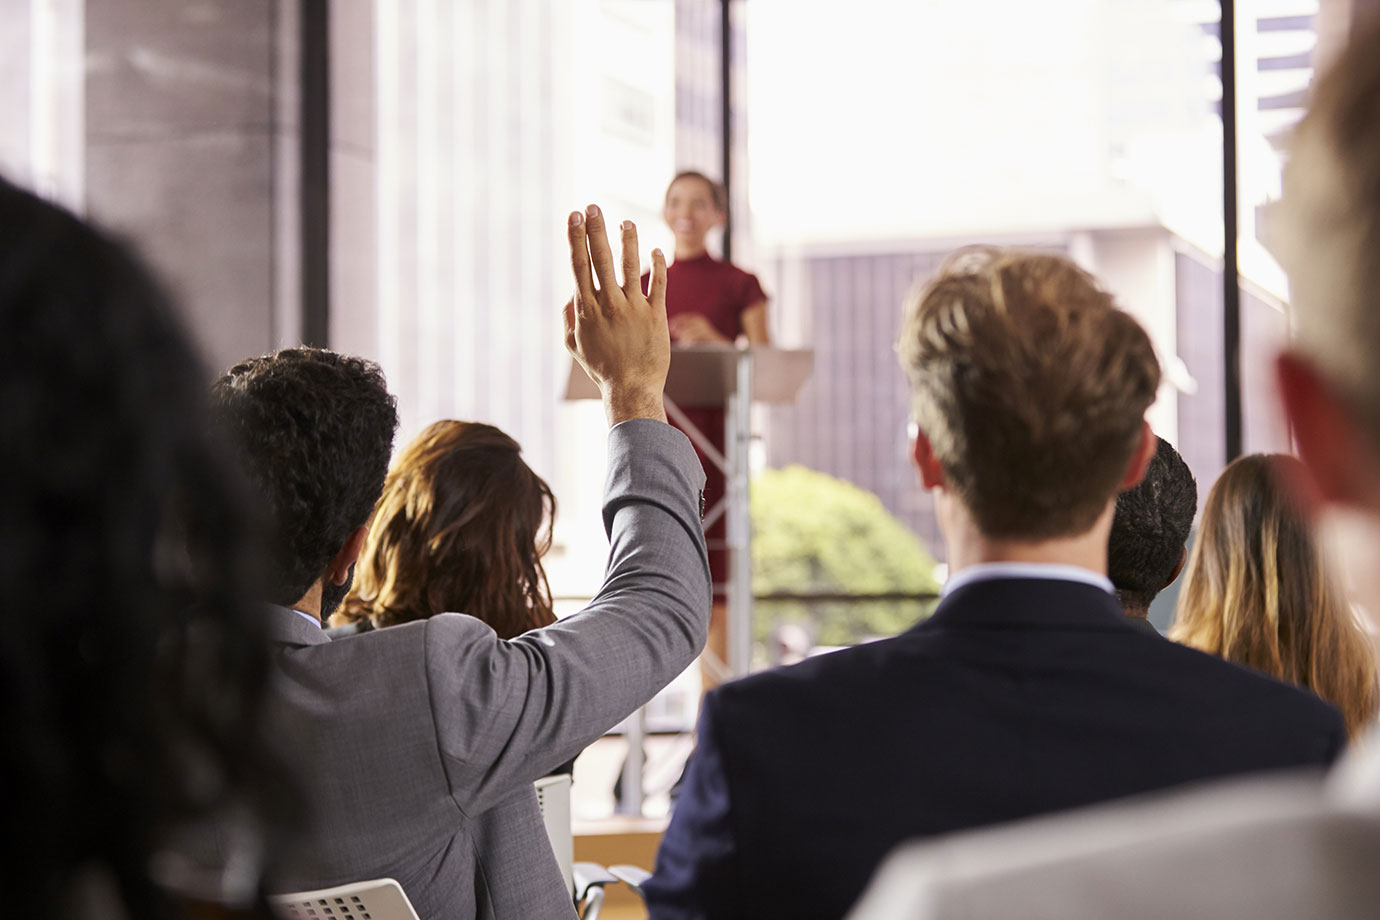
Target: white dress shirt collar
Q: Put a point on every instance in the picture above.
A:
(989, 571)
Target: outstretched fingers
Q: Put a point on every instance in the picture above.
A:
(621, 343)
(584, 298)
(599, 252)
(656, 290)
(632, 264)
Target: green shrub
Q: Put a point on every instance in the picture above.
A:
(815, 533)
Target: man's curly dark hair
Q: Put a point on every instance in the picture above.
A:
(133, 663)
(315, 429)
(1150, 529)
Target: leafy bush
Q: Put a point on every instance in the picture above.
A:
(815, 533)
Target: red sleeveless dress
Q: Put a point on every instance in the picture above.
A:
(721, 292)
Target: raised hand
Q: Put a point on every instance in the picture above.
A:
(618, 335)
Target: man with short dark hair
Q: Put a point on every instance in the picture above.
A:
(1148, 545)
(1026, 691)
(315, 431)
(421, 741)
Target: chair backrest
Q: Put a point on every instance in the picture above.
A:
(553, 794)
(381, 899)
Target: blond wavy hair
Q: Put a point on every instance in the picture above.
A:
(1258, 592)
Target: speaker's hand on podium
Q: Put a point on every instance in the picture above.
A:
(696, 329)
(618, 335)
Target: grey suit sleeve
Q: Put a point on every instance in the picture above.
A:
(507, 713)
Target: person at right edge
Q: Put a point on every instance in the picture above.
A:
(1027, 691)
(1277, 848)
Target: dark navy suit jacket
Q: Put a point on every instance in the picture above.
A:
(1018, 696)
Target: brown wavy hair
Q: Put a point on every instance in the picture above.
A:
(1258, 592)
(461, 527)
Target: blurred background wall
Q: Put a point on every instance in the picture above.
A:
(392, 179)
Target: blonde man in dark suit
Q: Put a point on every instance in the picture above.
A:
(1027, 691)
(1278, 848)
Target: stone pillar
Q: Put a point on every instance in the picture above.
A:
(190, 149)
(354, 319)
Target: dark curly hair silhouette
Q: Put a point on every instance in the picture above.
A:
(1150, 529)
(315, 431)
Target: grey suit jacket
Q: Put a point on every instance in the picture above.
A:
(419, 743)
(1274, 848)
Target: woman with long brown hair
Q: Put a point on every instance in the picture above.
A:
(1258, 592)
(461, 527)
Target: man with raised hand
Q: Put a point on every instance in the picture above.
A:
(1289, 846)
(1027, 691)
(419, 743)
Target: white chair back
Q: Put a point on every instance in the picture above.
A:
(381, 899)
(553, 794)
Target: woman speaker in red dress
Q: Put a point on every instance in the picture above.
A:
(709, 301)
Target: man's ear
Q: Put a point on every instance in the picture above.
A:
(1327, 439)
(1140, 460)
(931, 473)
(339, 568)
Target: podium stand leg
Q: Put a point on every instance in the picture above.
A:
(739, 443)
(632, 799)
(734, 506)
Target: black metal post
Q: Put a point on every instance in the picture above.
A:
(726, 116)
(1231, 279)
(315, 179)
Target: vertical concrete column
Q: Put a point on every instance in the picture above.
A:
(354, 320)
(185, 129)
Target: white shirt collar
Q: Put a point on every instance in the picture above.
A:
(990, 571)
(313, 620)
